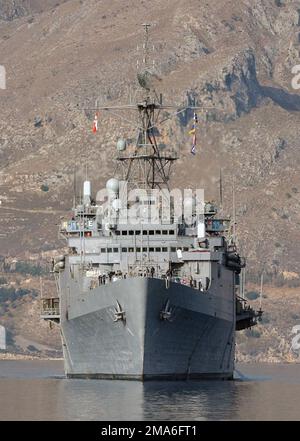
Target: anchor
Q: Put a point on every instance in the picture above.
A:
(167, 312)
(119, 314)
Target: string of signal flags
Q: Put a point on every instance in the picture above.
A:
(192, 131)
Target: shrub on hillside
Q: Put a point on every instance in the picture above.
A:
(29, 268)
(12, 294)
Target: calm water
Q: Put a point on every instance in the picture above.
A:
(37, 390)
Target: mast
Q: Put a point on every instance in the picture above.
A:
(146, 27)
(261, 289)
(221, 188)
(145, 165)
(74, 188)
(234, 211)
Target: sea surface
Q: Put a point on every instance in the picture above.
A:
(37, 390)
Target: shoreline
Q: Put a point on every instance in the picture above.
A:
(16, 357)
(23, 357)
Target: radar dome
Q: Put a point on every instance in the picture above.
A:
(117, 204)
(209, 207)
(113, 185)
(189, 202)
(121, 145)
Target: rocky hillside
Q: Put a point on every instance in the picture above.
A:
(13, 9)
(271, 340)
(20, 309)
(233, 57)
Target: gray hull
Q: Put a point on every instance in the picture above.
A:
(196, 340)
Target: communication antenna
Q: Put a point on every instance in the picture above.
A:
(146, 27)
(242, 283)
(233, 211)
(41, 287)
(74, 187)
(221, 187)
(261, 289)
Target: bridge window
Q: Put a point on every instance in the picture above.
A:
(158, 250)
(158, 232)
(103, 250)
(137, 233)
(165, 232)
(116, 250)
(109, 250)
(151, 233)
(151, 250)
(145, 250)
(138, 250)
(173, 250)
(124, 233)
(171, 232)
(131, 233)
(164, 250)
(124, 250)
(130, 250)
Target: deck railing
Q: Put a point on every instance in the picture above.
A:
(50, 308)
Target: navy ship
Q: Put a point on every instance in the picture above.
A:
(146, 293)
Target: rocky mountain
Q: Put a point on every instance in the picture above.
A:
(234, 57)
(13, 9)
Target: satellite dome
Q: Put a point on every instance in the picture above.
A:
(113, 185)
(121, 145)
(188, 202)
(117, 204)
(209, 207)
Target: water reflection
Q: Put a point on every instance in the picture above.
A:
(118, 400)
(265, 393)
(196, 401)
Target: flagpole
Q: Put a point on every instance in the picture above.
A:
(193, 132)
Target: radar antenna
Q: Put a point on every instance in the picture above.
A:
(146, 27)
